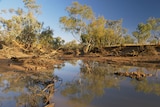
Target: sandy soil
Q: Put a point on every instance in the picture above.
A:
(27, 64)
(5, 65)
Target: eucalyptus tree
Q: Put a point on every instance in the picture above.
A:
(155, 31)
(46, 38)
(109, 37)
(143, 33)
(78, 19)
(128, 39)
(115, 32)
(30, 25)
(32, 7)
(96, 31)
(91, 30)
(72, 45)
(58, 42)
(79, 16)
(23, 25)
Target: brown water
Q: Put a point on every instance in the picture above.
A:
(82, 84)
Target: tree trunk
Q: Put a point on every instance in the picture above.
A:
(86, 48)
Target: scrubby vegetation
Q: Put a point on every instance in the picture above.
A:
(26, 46)
(93, 34)
(23, 29)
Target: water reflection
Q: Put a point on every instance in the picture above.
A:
(85, 84)
(94, 78)
(20, 89)
(147, 86)
(91, 82)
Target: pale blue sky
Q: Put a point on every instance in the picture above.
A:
(131, 11)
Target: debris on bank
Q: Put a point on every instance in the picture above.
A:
(137, 75)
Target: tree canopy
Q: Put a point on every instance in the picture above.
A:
(24, 27)
(77, 19)
(90, 30)
(143, 32)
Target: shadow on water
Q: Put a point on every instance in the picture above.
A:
(94, 84)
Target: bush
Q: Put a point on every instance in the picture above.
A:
(149, 50)
(73, 45)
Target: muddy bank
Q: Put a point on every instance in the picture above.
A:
(147, 61)
(136, 55)
(32, 73)
(27, 64)
(16, 58)
(39, 63)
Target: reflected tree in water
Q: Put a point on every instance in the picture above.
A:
(148, 85)
(26, 88)
(93, 78)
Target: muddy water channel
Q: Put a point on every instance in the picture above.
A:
(80, 83)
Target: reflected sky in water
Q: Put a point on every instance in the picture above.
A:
(20, 89)
(70, 71)
(82, 84)
(93, 84)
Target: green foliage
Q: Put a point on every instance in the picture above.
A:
(72, 45)
(143, 32)
(76, 22)
(155, 31)
(128, 39)
(83, 11)
(153, 41)
(85, 38)
(46, 38)
(32, 6)
(101, 32)
(26, 37)
(58, 42)
(31, 28)
(96, 32)
(117, 32)
(23, 25)
(110, 37)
